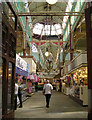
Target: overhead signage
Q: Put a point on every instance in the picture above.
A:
(20, 63)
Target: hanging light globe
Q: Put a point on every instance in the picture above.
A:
(47, 54)
(51, 1)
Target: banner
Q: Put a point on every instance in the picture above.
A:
(22, 68)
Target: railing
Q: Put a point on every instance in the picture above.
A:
(78, 61)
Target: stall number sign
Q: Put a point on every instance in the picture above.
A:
(20, 63)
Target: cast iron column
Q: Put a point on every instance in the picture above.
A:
(88, 18)
(25, 38)
(71, 54)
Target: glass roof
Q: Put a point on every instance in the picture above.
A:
(41, 29)
(55, 29)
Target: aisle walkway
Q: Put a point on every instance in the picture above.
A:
(61, 106)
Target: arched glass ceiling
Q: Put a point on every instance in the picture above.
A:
(41, 29)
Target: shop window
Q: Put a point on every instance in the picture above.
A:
(9, 102)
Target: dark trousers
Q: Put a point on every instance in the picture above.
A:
(47, 99)
(36, 88)
(20, 99)
(15, 105)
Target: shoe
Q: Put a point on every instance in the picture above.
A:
(47, 106)
(20, 106)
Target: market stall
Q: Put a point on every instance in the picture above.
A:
(22, 72)
(76, 79)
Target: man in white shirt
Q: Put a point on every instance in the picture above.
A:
(47, 91)
(16, 94)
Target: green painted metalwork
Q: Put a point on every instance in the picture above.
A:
(20, 8)
(77, 7)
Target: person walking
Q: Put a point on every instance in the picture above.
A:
(20, 94)
(36, 86)
(16, 94)
(47, 91)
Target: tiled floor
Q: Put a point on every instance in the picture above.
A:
(61, 106)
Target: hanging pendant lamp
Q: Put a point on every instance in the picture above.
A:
(51, 1)
(46, 53)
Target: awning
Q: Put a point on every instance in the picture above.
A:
(19, 71)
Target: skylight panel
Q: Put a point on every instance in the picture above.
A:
(59, 31)
(38, 26)
(53, 32)
(57, 26)
(48, 32)
(52, 28)
(47, 27)
(43, 33)
(37, 31)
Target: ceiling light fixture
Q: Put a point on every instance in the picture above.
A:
(46, 53)
(51, 1)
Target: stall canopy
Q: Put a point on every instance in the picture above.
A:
(22, 68)
(34, 78)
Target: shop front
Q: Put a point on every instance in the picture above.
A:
(78, 79)
(75, 83)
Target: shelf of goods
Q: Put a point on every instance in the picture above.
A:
(76, 79)
(77, 85)
(84, 94)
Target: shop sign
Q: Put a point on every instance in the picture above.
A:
(20, 63)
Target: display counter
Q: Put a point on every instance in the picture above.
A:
(84, 94)
(77, 79)
(80, 95)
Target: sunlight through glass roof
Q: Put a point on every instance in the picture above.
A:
(47, 29)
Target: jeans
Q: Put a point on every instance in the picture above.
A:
(15, 105)
(20, 99)
(47, 99)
